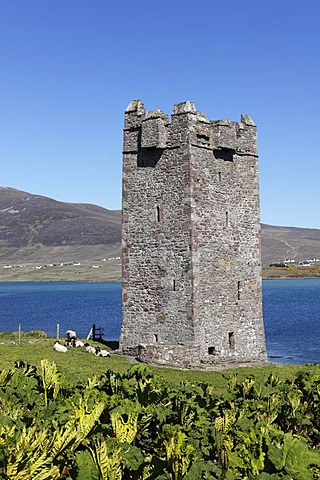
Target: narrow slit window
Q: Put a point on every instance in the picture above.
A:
(231, 340)
(239, 290)
(227, 219)
(158, 214)
(174, 285)
(155, 338)
(219, 177)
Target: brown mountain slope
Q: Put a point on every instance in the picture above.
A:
(32, 225)
(280, 243)
(37, 229)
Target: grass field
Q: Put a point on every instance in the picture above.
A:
(76, 364)
(110, 271)
(95, 271)
(291, 272)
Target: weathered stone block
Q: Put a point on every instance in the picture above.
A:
(154, 132)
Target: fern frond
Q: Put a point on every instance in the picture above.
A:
(51, 378)
(107, 457)
(76, 430)
(125, 431)
(5, 376)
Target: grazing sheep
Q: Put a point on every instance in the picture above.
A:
(59, 348)
(70, 335)
(102, 353)
(76, 343)
(89, 349)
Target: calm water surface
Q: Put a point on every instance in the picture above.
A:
(291, 311)
(74, 305)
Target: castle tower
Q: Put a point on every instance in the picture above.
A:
(191, 239)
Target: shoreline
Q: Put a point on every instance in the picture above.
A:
(111, 272)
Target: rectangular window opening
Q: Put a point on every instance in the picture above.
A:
(203, 137)
(149, 157)
(231, 340)
(225, 154)
(155, 338)
(211, 350)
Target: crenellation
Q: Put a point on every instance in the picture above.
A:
(132, 140)
(135, 106)
(184, 107)
(154, 131)
(134, 114)
(191, 238)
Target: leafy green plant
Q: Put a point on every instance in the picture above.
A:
(137, 426)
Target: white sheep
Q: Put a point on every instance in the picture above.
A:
(76, 343)
(89, 349)
(71, 334)
(102, 353)
(59, 348)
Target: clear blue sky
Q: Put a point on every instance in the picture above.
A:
(69, 68)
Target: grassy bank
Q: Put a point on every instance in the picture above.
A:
(291, 272)
(110, 271)
(87, 271)
(80, 365)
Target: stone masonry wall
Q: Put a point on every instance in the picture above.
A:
(191, 238)
(226, 241)
(157, 283)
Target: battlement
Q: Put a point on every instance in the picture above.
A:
(152, 129)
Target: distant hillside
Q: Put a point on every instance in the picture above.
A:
(36, 229)
(280, 243)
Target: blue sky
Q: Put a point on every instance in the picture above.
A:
(69, 68)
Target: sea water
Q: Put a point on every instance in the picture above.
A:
(291, 310)
(72, 305)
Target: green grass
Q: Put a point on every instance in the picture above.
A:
(22, 336)
(291, 272)
(107, 272)
(81, 365)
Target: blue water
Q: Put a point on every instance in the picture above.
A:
(291, 310)
(74, 305)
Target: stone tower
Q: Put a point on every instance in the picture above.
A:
(191, 239)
